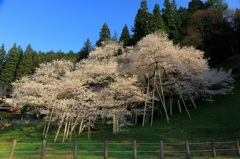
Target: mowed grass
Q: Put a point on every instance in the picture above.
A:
(218, 121)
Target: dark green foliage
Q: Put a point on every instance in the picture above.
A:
(216, 4)
(104, 35)
(115, 37)
(11, 65)
(141, 23)
(2, 57)
(125, 36)
(171, 20)
(71, 56)
(195, 5)
(84, 52)
(26, 65)
(184, 17)
(156, 22)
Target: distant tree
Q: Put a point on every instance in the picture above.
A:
(184, 16)
(141, 23)
(38, 58)
(2, 57)
(11, 65)
(233, 18)
(26, 65)
(125, 36)
(59, 55)
(84, 52)
(156, 21)
(104, 35)
(220, 4)
(195, 5)
(50, 56)
(71, 56)
(208, 31)
(171, 20)
(115, 36)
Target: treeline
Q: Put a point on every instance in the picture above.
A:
(209, 26)
(17, 62)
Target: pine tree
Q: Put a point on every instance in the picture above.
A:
(10, 69)
(156, 22)
(216, 3)
(141, 23)
(115, 37)
(2, 57)
(171, 19)
(104, 35)
(84, 52)
(26, 65)
(195, 5)
(125, 36)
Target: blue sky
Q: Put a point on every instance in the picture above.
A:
(66, 24)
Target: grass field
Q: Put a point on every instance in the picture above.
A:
(219, 121)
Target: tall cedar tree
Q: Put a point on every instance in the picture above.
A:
(195, 5)
(26, 66)
(10, 68)
(171, 19)
(125, 37)
(2, 57)
(104, 35)
(141, 23)
(156, 22)
(184, 16)
(220, 4)
(115, 36)
(84, 52)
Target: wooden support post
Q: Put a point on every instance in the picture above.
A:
(75, 150)
(12, 149)
(106, 149)
(134, 149)
(161, 155)
(213, 148)
(187, 149)
(43, 149)
(238, 149)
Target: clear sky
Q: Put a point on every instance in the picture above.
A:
(66, 24)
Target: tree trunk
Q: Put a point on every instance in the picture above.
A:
(65, 129)
(145, 106)
(81, 127)
(153, 96)
(48, 125)
(89, 129)
(185, 106)
(59, 127)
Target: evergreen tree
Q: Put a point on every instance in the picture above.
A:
(156, 22)
(141, 23)
(104, 34)
(26, 65)
(2, 57)
(125, 36)
(71, 56)
(184, 16)
(115, 37)
(221, 4)
(84, 52)
(195, 5)
(11, 65)
(171, 19)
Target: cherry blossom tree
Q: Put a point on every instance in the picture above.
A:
(182, 73)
